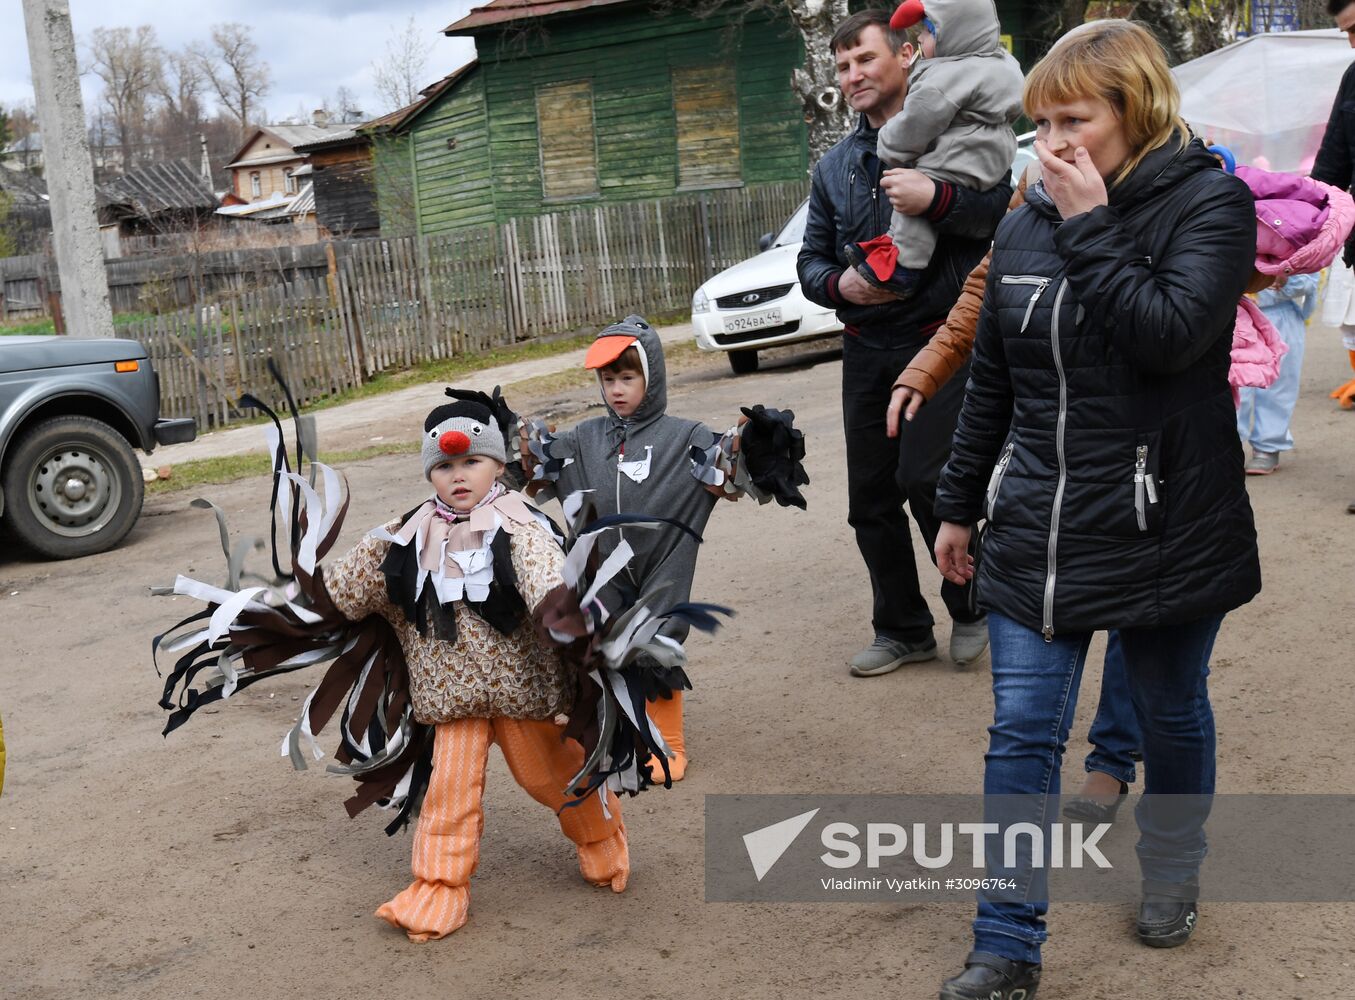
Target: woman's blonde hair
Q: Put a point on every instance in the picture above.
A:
(1121, 63)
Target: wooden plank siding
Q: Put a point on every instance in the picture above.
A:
(706, 115)
(568, 140)
(628, 58)
(345, 191)
(451, 158)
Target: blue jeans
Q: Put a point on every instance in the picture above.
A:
(1035, 695)
(1263, 415)
(1114, 733)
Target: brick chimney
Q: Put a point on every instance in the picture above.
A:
(320, 117)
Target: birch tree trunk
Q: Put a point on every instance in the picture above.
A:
(825, 110)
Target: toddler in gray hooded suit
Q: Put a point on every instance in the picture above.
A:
(964, 93)
(641, 459)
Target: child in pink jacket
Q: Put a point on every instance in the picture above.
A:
(1301, 225)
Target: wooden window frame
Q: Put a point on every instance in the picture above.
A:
(255, 184)
(560, 199)
(716, 183)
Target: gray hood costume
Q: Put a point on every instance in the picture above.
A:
(643, 465)
(956, 122)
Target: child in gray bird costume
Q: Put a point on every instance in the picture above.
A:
(640, 459)
(964, 93)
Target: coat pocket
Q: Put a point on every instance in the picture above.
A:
(995, 480)
(1147, 510)
(1038, 284)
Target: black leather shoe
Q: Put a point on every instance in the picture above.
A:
(1091, 811)
(991, 977)
(1168, 913)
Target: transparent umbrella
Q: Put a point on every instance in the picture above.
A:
(1267, 97)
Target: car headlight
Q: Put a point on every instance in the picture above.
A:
(700, 303)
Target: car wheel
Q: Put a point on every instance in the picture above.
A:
(72, 487)
(743, 362)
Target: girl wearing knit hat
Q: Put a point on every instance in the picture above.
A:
(437, 654)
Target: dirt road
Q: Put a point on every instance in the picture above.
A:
(202, 866)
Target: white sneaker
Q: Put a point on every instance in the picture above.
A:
(968, 640)
(885, 655)
(1262, 463)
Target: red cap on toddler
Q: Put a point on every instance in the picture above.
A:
(909, 13)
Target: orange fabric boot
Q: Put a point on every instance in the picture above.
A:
(666, 715)
(1345, 394)
(446, 845)
(542, 763)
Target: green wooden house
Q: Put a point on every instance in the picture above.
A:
(573, 102)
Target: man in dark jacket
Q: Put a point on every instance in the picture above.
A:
(848, 204)
(1335, 163)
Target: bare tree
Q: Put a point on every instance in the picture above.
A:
(24, 139)
(127, 62)
(181, 84)
(342, 107)
(179, 121)
(399, 74)
(238, 76)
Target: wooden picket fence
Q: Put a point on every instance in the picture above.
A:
(209, 357)
(388, 304)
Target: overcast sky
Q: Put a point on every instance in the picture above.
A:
(312, 47)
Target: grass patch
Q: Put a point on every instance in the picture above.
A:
(44, 325)
(450, 370)
(26, 328)
(210, 471)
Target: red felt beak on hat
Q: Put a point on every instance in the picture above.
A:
(454, 443)
(909, 13)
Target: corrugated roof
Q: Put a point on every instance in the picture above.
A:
(25, 188)
(304, 202)
(274, 202)
(343, 138)
(299, 135)
(275, 206)
(174, 185)
(503, 11)
(289, 135)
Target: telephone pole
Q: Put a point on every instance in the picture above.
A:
(69, 173)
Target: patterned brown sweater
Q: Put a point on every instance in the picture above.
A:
(484, 673)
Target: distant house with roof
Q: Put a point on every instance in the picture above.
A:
(578, 102)
(29, 217)
(155, 201)
(268, 163)
(161, 197)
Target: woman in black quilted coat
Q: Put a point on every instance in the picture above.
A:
(1097, 440)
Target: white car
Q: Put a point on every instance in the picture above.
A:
(757, 303)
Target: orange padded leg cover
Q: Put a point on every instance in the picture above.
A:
(1345, 394)
(666, 713)
(447, 838)
(543, 764)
